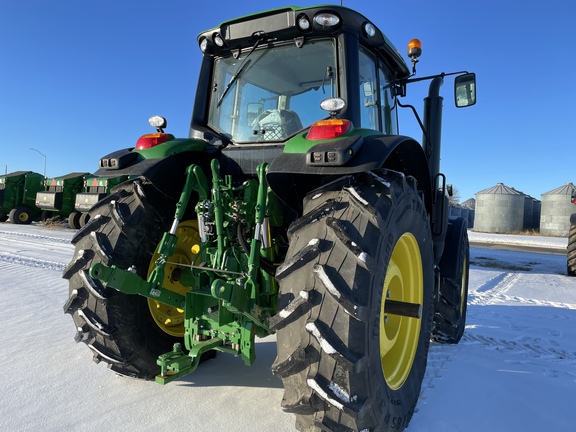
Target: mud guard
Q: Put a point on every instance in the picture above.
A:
(450, 263)
(168, 174)
(292, 173)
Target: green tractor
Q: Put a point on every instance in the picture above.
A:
(17, 196)
(293, 208)
(58, 198)
(95, 188)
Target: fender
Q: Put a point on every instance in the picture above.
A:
(395, 152)
(167, 173)
(451, 261)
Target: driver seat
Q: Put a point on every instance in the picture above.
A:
(276, 125)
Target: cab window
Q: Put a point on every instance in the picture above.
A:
(377, 105)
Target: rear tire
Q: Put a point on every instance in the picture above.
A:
(571, 252)
(124, 230)
(346, 364)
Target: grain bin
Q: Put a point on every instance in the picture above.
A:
(470, 204)
(528, 222)
(536, 206)
(455, 211)
(556, 210)
(499, 209)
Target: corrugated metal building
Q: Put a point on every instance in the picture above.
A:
(556, 209)
(499, 209)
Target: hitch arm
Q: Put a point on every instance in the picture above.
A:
(130, 283)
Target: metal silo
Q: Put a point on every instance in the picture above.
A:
(536, 205)
(556, 210)
(499, 209)
(528, 213)
(455, 211)
(470, 204)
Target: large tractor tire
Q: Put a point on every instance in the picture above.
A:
(571, 252)
(355, 306)
(21, 215)
(451, 304)
(124, 230)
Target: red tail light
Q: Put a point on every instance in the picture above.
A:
(150, 140)
(328, 129)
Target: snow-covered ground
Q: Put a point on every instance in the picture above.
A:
(515, 369)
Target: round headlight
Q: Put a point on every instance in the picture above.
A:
(303, 23)
(218, 40)
(369, 29)
(203, 44)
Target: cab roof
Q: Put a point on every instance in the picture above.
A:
(282, 24)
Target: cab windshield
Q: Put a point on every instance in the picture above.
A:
(272, 93)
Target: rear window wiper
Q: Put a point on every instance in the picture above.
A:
(242, 66)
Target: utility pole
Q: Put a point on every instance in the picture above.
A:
(44, 160)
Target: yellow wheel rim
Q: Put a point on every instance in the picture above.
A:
(171, 319)
(23, 217)
(399, 334)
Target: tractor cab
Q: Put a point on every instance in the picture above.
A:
(269, 73)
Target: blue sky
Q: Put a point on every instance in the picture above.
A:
(80, 79)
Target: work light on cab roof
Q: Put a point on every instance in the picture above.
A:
(303, 22)
(369, 29)
(327, 19)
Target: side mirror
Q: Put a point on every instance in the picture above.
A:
(253, 111)
(465, 90)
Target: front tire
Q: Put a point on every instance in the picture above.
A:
(124, 230)
(348, 361)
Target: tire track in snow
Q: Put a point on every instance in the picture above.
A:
(493, 289)
(31, 262)
(439, 358)
(35, 237)
(528, 301)
(534, 349)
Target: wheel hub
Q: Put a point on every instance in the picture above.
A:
(171, 319)
(399, 333)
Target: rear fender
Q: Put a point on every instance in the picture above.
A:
(292, 175)
(168, 173)
(451, 261)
